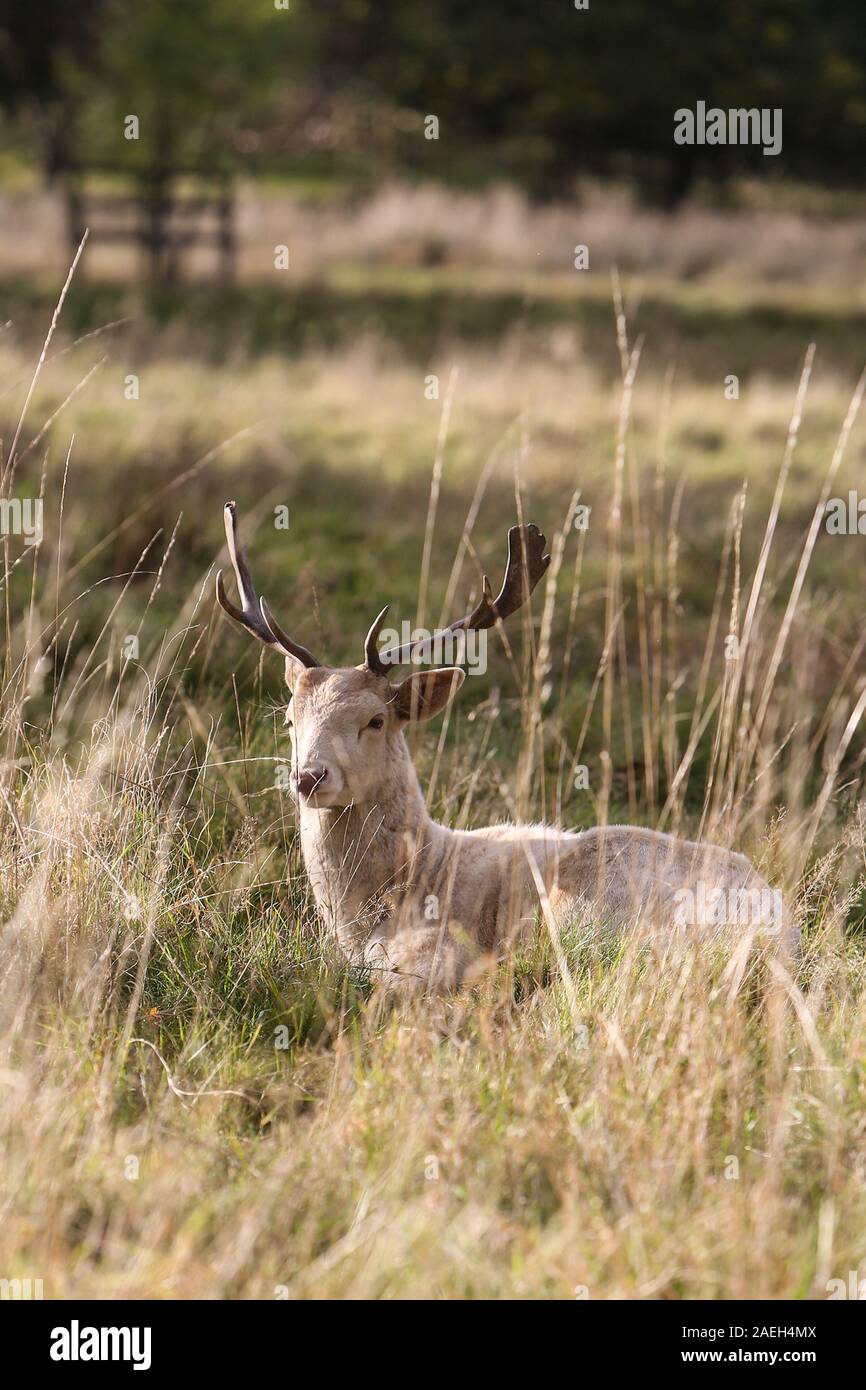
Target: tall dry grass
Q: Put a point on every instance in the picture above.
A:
(198, 1099)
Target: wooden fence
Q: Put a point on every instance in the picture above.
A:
(166, 213)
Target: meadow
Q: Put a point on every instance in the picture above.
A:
(198, 1098)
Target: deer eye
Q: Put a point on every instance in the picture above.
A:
(377, 722)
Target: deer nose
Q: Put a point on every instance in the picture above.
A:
(310, 779)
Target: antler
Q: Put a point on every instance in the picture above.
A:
(527, 562)
(255, 615)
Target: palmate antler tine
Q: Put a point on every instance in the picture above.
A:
(525, 566)
(254, 615)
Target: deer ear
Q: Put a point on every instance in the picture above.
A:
(293, 669)
(426, 693)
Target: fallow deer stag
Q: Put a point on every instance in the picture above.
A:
(423, 904)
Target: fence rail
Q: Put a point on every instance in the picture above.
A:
(163, 220)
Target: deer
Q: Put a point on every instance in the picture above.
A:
(427, 907)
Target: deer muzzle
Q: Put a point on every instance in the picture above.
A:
(310, 780)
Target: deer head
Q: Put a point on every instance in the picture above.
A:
(346, 723)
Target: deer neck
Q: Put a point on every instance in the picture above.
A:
(363, 859)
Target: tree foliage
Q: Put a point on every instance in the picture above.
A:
(541, 93)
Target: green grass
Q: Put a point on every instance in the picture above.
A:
(200, 1098)
(707, 328)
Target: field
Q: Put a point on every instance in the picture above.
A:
(197, 1097)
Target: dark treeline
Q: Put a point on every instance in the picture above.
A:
(542, 93)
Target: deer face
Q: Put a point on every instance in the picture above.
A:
(346, 728)
(341, 727)
(347, 723)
